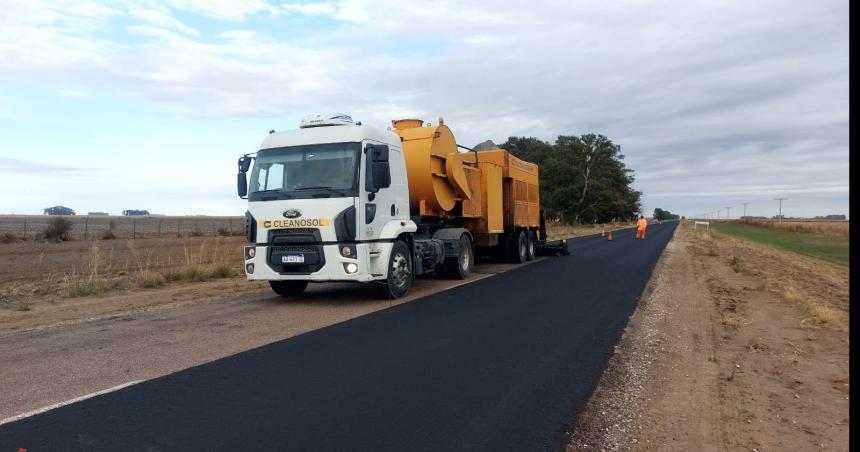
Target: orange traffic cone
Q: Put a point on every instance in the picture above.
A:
(609, 238)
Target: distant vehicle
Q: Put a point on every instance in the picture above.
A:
(58, 210)
(336, 200)
(135, 213)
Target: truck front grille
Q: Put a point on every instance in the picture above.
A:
(306, 242)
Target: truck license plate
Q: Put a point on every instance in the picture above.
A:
(293, 259)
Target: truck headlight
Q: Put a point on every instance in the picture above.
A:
(249, 268)
(350, 267)
(250, 252)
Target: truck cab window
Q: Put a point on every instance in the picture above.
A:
(271, 177)
(306, 171)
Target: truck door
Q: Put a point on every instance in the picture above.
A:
(379, 187)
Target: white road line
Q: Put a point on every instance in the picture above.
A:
(67, 402)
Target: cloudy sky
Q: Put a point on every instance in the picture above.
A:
(147, 104)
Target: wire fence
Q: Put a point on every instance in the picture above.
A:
(32, 227)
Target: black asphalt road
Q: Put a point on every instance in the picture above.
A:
(505, 363)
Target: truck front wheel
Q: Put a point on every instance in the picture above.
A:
(288, 288)
(459, 267)
(399, 278)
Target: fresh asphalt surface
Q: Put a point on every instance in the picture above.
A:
(505, 363)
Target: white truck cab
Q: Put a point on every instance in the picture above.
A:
(326, 202)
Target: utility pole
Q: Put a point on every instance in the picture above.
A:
(728, 212)
(780, 207)
(745, 209)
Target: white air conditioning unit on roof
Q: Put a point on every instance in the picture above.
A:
(331, 119)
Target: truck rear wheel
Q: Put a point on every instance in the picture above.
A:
(518, 247)
(461, 266)
(399, 278)
(288, 288)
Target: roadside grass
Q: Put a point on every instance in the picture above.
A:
(817, 286)
(92, 282)
(827, 248)
(200, 266)
(13, 302)
(820, 313)
(99, 275)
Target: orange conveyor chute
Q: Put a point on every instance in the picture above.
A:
(434, 166)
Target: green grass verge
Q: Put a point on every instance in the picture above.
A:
(830, 249)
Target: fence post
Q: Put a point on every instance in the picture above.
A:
(159, 228)
(25, 229)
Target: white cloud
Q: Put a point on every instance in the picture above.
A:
(71, 92)
(162, 19)
(328, 9)
(231, 10)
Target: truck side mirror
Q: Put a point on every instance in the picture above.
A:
(378, 170)
(244, 164)
(242, 184)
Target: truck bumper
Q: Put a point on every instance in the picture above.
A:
(368, 260)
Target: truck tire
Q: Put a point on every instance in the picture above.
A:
(288, 288)
(399, 278)
(519, 247)
(531, 246)
(461, 266)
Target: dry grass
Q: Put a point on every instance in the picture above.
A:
(735, 264)
(200, 265)
(792, 294)
(826, 316)
(829, 228)
(14, 302)
(102, 272)
(819, 288)
(92, 282)
(734, 322)
(149, 279)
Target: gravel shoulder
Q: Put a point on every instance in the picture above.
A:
(734, 346)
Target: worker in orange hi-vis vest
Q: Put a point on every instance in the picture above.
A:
(640, 227)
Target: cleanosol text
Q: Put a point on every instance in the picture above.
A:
(298, 223)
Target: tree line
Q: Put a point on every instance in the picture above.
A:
(583, 179)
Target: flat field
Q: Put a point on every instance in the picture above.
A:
(834, 228)
(825, 246)
(85, 227)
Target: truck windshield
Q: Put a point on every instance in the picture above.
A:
(309, 171)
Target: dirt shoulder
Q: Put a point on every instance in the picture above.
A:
(735, 346)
